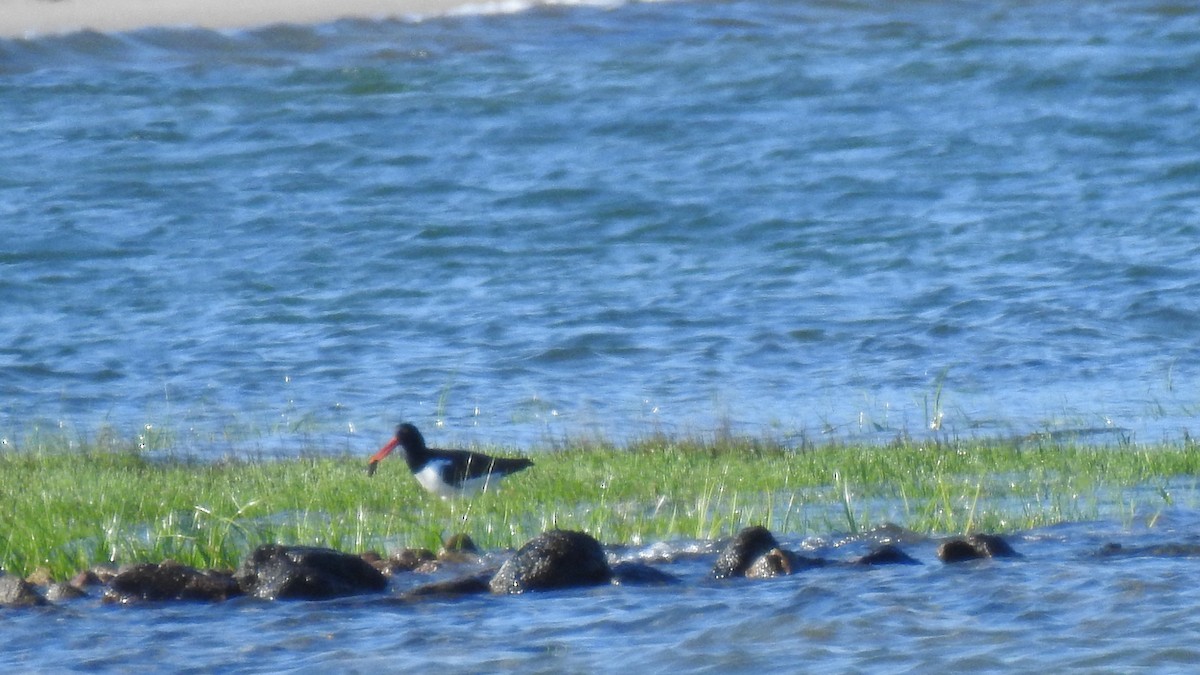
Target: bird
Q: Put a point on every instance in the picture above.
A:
(447, 473)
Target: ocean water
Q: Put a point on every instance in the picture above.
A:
(798, 219)
(809, 220)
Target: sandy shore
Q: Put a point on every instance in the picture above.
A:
(28, 18)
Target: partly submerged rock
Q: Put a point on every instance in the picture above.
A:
(1167, 550)
(471, 585)
(88, 578)
(40, 577)
(640, 574)
(16, 592)
(887, 554)
(743, 550)
(277, 572)
(554, 559)
(974, 547)
(170, 581)
(410, 560)
(459, 548)
(58, 592)
(780, 562)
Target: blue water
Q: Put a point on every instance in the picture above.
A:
(1061, 608)
(807, 220)
(800, 219)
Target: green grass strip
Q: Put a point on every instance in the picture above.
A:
(67, 505)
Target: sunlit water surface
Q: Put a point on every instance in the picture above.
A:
(801, 219)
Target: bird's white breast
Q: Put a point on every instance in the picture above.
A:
(430, 478)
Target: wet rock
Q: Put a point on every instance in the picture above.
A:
(1168, 550)
(780, 562)
(86, 578)
(554, 559)
(105, 573)
(887, 555)
(459, 549)
(743, 550)
(471, 585)
(170, 581)
(277, 572)
(641, 574)
(460, 543)
(16, 592)
(409, 560)
(957, 550)
(59, 592)
(975, 547)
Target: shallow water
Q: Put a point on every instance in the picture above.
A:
(1060, 607)
(799, 219)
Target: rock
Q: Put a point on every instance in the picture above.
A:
(409, 560)
(86, 578)
(459, 549)
(471, 585)
(105, 573)
(460, 543)
(957, 550)
(16, 592)
(746, 547)
(1168, 550)
(779, 562)
(59, 592)
(975, 547)
(887, 555)
(993, 546)
(40, 577)
(551, 560)
(641, 574)
(277, 572)
(170, 581)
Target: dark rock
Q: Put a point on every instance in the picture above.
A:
(780, 562)
(887, 555)
(16, 592)
(459, 549)
(409, 560)
(957, 550)
(170, 581)
(471, 585)
(105, 573)
(975, 547)
(746, 547)
(554, 559)
(993, 546)
(774, 563)
(86, 578)
(282, 572)
(641, 574)
(1168, 550)
(460, 543)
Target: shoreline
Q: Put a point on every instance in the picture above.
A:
(39, 18)
(211, 514)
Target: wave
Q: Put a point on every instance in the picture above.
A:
(29, 19)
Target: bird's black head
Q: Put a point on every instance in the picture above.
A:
(410, 439)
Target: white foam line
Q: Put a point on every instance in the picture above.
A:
(32, 18)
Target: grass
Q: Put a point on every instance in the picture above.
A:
(68, 505)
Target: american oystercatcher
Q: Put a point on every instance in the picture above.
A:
(447, 473)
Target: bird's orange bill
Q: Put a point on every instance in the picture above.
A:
(377, 457)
